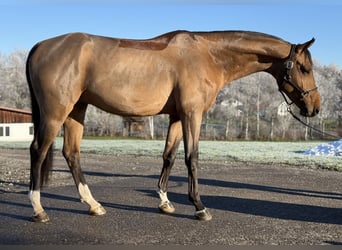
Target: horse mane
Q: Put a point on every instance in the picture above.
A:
(247, 42)
(162, 41)
(214, 35)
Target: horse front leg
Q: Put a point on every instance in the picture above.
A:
(191, 131)
(173, 139)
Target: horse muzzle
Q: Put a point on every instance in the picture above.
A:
(312, 108)
(305, 112)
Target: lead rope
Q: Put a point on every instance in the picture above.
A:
(309, 126)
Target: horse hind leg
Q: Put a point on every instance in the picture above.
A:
(73, 131)
(174, 137)
(41, 153)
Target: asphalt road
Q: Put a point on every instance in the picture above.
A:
(251, 204)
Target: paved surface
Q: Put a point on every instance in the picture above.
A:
(250, 204)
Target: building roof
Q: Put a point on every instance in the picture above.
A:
(13, 115)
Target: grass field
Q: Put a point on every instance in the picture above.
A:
(227, 151)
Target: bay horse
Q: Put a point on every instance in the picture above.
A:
(178, 73)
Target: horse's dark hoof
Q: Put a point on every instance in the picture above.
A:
(97, 211)
(203, 215)
(41, 217)
(167, 207)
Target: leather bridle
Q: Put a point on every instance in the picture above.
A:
(287, 78)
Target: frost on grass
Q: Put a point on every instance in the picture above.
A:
(290, 153)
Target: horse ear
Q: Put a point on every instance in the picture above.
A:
(304, 46)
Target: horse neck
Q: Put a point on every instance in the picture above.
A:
(241, 54)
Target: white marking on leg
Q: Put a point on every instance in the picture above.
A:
(87, 197)
(165, 205)
(163, 196)
(34, 196)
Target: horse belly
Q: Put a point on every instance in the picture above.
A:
(132, 99)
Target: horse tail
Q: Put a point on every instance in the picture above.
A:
(48, 161)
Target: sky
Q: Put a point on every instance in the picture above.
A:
(24, 23)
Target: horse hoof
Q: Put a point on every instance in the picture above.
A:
(167, 207)
(203, 215)
(97, 211)
(40, 217)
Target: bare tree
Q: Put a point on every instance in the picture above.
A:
(13, 84)
(246, 108)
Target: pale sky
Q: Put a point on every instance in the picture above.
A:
(23, 23)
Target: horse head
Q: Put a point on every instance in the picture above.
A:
(297, 80)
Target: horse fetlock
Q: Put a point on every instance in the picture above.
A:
(40, 217)
(99, 210)
(203, 215)
(167, 207)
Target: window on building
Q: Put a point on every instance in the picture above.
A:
(1, 131)
(7, 131)
(31, 130)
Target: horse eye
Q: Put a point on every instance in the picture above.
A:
(304, 70)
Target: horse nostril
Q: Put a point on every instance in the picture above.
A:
(316, 111)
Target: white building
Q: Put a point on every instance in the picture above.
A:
(15, 125)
